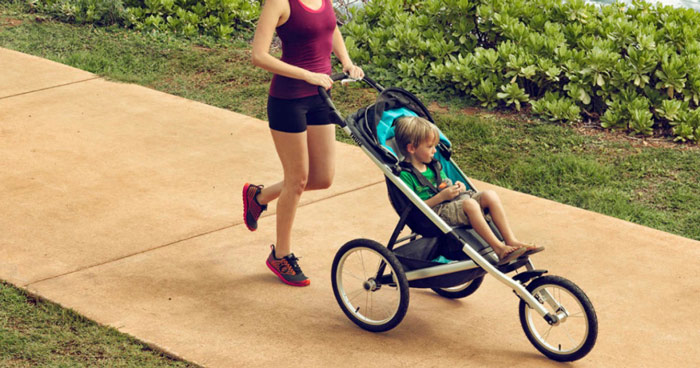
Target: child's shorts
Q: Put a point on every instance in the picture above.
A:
(452, 211)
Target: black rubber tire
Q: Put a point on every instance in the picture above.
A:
(393, 269)
(461, 291)
(587, 313)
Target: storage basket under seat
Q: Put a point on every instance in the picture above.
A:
(419, 253)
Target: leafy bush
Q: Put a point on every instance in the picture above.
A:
(555, 108)
(630, 67)
(100, 12)
(217, 18)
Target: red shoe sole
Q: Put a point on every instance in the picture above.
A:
(245, 205)
(279, 275)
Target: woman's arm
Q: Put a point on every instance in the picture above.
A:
(270, 17)
(341, 52)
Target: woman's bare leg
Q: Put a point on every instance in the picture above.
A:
(270, 193)
(293, 153)
(321, 143)
(321, 147)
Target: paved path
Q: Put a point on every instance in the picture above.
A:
(122, 203)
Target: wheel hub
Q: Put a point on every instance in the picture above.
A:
(370, 285)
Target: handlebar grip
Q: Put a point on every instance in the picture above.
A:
(334, 78)
(340, 76)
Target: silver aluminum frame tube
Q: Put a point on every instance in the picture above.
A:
(440, 270)
(517, 287)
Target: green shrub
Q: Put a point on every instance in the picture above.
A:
(619, 63)
(99, 12)
(687, 126)
(217, 18)
(556, 108)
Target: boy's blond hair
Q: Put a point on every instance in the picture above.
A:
(414, 130)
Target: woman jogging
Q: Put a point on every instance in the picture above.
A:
(302, 132)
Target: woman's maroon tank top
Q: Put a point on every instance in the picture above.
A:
(307, 42)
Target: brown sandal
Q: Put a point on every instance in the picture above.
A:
(511, 256)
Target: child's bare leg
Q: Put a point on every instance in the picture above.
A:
(476, 218)
(489, 199)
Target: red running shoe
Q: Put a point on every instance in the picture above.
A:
(251, 208)
(287, 269)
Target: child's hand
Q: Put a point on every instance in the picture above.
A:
(445, 184)
(462, 187)
(449, 193)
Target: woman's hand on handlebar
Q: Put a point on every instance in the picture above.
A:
(325, 81)
(319, 79)
(354, 71)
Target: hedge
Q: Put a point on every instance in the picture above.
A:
(632, 67)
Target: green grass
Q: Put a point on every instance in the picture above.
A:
(36, 333)
(608, 173)
(653, 186)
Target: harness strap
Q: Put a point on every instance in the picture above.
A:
(433, 165)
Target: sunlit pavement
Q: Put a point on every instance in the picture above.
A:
(123, 203)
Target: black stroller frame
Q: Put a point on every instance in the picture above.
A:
(546, 302)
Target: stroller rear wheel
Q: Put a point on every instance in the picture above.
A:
(370, 285)
(575, 334)
(460, 291)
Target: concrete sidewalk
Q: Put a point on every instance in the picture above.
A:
(123, 203)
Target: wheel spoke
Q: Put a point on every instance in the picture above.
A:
(566, 331)
(366, 301)
(355, 295)
(385, 312)
(362, 261)
(546, 335)
(354, 276)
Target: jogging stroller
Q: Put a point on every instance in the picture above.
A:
(371, 281)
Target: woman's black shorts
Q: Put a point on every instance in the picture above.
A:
(292, 116)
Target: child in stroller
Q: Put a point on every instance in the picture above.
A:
(417, 140)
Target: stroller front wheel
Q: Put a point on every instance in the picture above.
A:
(370, 285)
(575, 334)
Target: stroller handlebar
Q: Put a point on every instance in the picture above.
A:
(344, 78)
